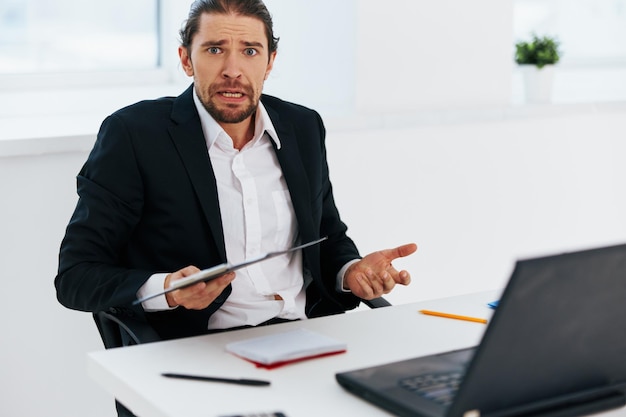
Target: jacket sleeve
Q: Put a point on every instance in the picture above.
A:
(92, 275)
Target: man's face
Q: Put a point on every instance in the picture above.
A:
(229, 60)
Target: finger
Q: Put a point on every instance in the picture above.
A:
(224, 280)
(210, 288)
(402, 277)
(388, 283)
(366, 291)
(400, 251)
(180, 274)
(186, 271)
(202, 294)
(376, 282)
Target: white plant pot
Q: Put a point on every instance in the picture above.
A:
(538, 83)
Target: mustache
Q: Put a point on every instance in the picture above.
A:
(230, 86)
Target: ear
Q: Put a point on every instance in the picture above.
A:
(185, 61)
(270, 65)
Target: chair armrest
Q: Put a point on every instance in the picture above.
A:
(377, 303)
(117, 331)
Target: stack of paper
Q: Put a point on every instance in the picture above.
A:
(279, 349)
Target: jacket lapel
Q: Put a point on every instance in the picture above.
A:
(296, 177)
(187, 135)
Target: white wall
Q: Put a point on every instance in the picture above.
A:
(419, 55)
(43, 348)
(477, 196)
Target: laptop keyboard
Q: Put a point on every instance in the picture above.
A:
(439, 387)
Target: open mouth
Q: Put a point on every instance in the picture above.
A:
(229, 94)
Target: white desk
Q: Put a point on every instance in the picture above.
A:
(304, 389)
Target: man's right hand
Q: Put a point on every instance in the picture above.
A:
(198, 296)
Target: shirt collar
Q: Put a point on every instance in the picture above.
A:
(212, 129)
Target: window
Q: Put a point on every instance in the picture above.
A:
(592, 35)
(90, 35)
(591, 32)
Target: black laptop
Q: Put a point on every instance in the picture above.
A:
(555, 346)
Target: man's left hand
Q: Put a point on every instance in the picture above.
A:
(374, 275)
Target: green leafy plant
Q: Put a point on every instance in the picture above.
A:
(539, 51)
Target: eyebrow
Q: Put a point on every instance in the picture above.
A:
(224, 41)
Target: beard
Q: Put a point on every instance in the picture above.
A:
(230, 113)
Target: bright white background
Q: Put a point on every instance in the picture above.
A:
(424, 143)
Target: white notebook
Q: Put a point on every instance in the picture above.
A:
(282, 348)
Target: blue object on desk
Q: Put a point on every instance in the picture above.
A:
(493, 304)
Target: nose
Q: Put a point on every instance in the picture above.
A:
(232, 67)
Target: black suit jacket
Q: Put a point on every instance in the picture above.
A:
(148, 203)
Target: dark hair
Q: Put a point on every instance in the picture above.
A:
(251, 8)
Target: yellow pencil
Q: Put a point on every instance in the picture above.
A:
(453, 316)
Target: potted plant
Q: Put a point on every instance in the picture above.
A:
(537, 58)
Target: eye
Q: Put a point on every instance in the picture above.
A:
(250, 51)
(214, 50)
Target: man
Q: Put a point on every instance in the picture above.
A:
(220, 173)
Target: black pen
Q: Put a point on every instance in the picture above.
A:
(252, 382)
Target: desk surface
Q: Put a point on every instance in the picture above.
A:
(133, 374)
